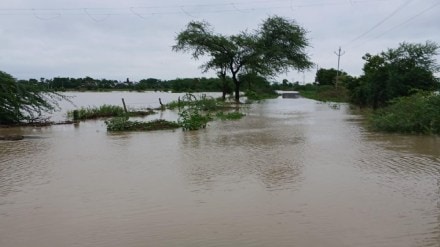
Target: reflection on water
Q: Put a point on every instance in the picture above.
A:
(291, 173)
(251, 148)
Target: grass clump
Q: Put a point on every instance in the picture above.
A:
(123, 124)
(418, 113)
(104, 111)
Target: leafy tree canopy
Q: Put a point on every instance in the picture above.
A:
(277, 46)
(395, 73)
(328, 76)
(24, 100)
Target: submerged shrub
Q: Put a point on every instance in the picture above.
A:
(418, 113)
(192, 119)
(195, 113)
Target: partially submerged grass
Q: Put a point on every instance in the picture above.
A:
(104, 111)
(123, 124)
(194, 114)
(203, 103)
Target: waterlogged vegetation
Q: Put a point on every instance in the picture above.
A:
(194, 113)
(417, 113)
(124, 124)
(104, 111)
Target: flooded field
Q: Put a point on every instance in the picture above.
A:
(292, 172)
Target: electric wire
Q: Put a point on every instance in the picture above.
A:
(397, 10)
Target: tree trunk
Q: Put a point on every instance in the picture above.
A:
(237, 88)
(224, 86)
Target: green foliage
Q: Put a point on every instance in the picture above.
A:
(193, 119)
(195, 113)
(97, 112)
(123, 124)
(325, 93)
(258, 88)
(418, 113)
(104, 111)
(204, 103)
(229, 115)
(395, 73)
(284, 86)
(252, 95)
(25, 100)
(328, 76)
(278, 46)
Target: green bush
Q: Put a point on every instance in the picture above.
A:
(253, 95)
(418, 113)
(192, 119)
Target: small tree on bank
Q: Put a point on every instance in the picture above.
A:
(24, 100)
(278, 46)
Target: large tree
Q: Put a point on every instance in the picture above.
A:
(277, 46)
(24, 100)
(395, 73)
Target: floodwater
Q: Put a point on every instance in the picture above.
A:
(293, 172)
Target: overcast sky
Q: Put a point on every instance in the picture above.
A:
(116, 39)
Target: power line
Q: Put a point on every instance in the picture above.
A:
(420, 13)
(407, 20)
(179, 9)
(397, 10)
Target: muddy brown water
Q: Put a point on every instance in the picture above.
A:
(293, 172)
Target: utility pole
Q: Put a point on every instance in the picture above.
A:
(317, 70)
(339, 54)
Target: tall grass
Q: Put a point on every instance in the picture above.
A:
(96, 112)
(104, 111)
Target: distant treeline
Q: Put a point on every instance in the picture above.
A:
(91, 84)
(152, 84)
